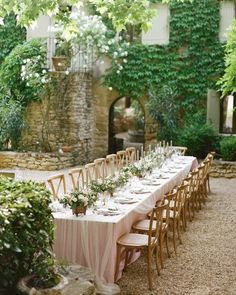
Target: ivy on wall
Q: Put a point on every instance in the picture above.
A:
(190, 63)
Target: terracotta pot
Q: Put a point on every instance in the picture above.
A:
(66, 148)
(79, 210)
(60, 63)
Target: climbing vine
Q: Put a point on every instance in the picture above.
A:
(190, 63)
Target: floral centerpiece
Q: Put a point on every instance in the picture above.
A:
(110, 185)
(78, 201)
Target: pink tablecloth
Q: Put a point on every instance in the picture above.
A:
(91, 240)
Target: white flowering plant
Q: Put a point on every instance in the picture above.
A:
(89, 37)
(34, 72)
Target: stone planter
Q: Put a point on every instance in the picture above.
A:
(23, 287)
(75, 280)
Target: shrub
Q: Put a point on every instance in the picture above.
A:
(11, 123)
(228, 148)
(28, 57)
(200, 138)
(26, 232)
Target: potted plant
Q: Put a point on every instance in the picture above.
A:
(26, 235)
(62, 57)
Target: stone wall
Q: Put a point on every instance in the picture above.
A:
(102, 102)
(223, 169)
(38, 161)
(75, 115)
(63, 118)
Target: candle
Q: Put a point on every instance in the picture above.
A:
(137, 155)
(141, 152)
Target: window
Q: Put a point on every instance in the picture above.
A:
(228, 114)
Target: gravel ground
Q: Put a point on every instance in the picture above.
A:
(206, 262)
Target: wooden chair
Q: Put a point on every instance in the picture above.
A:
(181, 150)
(177, 196)
(128, 243)
(143, 227)
(111, 166)
(8, 174)
(77, 177)
(90, 173)
(131, 154)
(57, 184)
(201, 191)
(121, 159)
(188, 204)
(100, 168)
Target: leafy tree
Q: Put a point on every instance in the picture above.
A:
(10, 35)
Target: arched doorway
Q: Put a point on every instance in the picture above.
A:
(126, 124)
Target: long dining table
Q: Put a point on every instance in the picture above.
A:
(90, 240)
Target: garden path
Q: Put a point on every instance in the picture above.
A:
(206, 262)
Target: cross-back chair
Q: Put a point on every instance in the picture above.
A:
(111, 164)
(188, 211)
(201, 192)
(142, 226)
(8, 174)
(90, 173)
(181, 150)
(100, 168)
(176, 200)
(57, 184)
(121, 159)
(130, 242)
(131, 154)
(77, 177)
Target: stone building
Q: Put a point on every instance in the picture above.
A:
(72, 125)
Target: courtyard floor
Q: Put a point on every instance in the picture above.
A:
(206, 262)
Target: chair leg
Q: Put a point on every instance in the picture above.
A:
(178, 231)
(189, 210)
(161, 250)
(167, 245)
(157, 265)
(208, 183)
(174, 237)
(149, 268)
